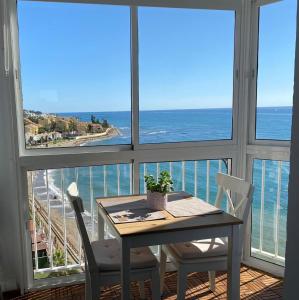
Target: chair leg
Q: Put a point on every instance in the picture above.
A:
(212, 280)
(181, 284)
(92, 287)
(87, 286)
(155, 285)
(163, 259)
(141, 289)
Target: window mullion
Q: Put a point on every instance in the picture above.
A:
(135, 93)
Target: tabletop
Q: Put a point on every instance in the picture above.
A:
(170, 223)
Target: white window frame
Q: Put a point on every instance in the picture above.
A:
(259, 148)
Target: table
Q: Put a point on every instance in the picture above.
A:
(173, 230)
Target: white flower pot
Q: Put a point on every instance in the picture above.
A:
(156, 200)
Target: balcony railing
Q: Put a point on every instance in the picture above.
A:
(269, 210)
(53, 217)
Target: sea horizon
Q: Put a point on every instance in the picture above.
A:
(154, 110)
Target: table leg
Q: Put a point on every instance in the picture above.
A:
(125, 269)
(101, 226)
(233, 274)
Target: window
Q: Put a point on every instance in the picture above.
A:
(186, 81)
(75, 63)
(76, 86)
(277, 30)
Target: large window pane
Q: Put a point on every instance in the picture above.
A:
(277, 35)
(186, 74)
(75, 63)
(269, 209)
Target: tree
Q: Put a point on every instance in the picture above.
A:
(89, 128)
(58, 258)
(105, 123)
(72, 126)
(33, 119)
(60, 127)
(94, 120)
(41, 130)
(53, 126)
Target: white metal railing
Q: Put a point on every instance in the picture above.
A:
(51, 212)
(50, 205)
(269, 179)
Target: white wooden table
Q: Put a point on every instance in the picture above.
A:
(173, 230)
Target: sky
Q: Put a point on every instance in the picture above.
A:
(76, 57)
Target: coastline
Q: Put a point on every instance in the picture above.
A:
(82, 140)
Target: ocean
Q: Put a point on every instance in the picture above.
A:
(192, 125)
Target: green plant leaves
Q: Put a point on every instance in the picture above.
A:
(163, 185)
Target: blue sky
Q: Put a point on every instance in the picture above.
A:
(76, 57)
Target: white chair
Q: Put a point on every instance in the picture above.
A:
(209, 254)
(102, 258)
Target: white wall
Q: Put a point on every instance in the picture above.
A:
(291, 290)
(10, 241)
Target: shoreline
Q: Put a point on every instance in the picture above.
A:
(81, 140)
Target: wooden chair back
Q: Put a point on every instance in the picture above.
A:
(77, 203)
(242, 190)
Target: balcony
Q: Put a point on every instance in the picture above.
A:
(216, 100)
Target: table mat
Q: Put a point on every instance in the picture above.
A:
(126, 211)
(191, 206)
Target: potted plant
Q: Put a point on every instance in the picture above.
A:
(157, 190)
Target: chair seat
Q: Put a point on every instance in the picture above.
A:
(200, 249)
(107, 256)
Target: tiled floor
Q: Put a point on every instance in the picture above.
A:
(254, 285)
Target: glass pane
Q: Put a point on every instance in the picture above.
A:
(75, 64)
(186, 74)
(277, 35)
(51, 217)
(269, 210)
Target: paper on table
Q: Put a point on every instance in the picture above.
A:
(191, 206)
(126, 211)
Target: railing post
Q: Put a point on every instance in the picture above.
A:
(183, 175)
(34, 223)
(277, 211)
(91, 202)
(50, 243)
(195, 178)
(64, 218)
(208, 181)
(262, 205)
